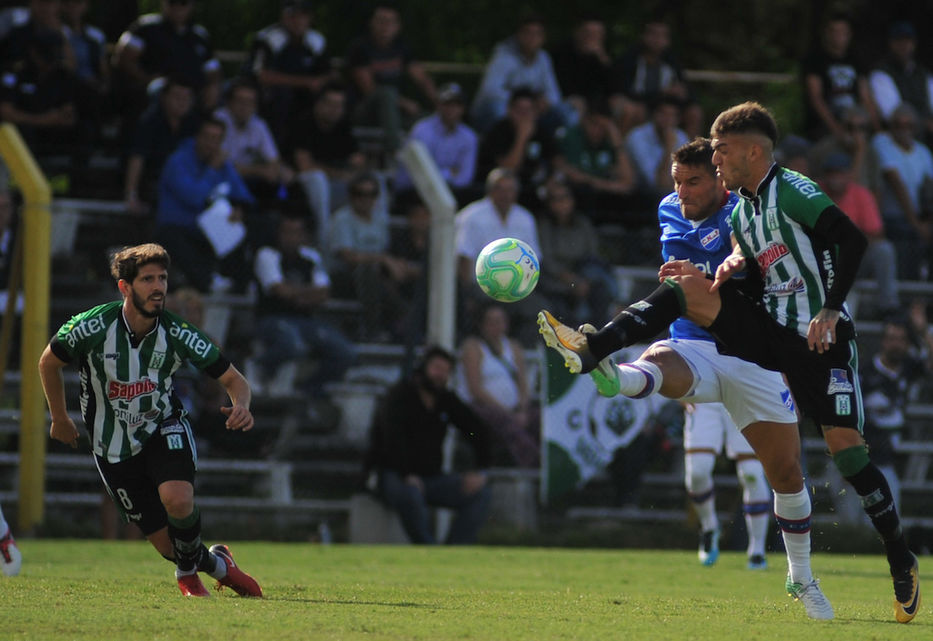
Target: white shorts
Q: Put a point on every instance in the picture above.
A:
(748, 392)
(708, 426)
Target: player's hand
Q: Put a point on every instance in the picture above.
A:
(65, 431)
(679, 268)
(821, 333)
(727, 268)
(238, 418)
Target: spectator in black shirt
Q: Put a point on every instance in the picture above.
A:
(582, 63)
(164, 124)
(405, 455)
(326, 155)
(378, 62)
(44, 19)
(290, 63)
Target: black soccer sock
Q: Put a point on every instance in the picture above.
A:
(190, 552)
(877, 502)
(639, 321)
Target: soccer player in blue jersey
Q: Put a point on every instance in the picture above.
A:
(128, 352)
(694, 224)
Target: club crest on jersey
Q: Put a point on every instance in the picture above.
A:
(771, 254)
(157, 360)
(771, 218)
(839, 382)
(711, 239)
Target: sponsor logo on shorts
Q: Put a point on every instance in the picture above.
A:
(787, 288)
(173, 428)
(771, 254)
(788, 401)
(843, 404)
(839, 382)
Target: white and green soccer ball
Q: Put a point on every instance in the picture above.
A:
(507, 269)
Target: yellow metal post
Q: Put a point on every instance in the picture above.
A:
(37, 227)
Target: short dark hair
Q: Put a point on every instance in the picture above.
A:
(522, 92)
(435, 351)
(126, 263)
(746, 118)
(696, 153)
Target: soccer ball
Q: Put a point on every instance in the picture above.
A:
(507, 269)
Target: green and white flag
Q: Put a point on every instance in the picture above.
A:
(581, 429)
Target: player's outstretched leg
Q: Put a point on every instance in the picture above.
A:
(907, 593)
(235, 578)
(569, 343)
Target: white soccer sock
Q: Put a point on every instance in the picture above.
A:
(792, 512)
(220, 571)
(3, 525)
(639, 379)
(756, 503)
(698, 472)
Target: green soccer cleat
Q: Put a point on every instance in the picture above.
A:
(605, 375)
(812, 597)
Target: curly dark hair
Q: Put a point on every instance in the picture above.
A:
(125, 263)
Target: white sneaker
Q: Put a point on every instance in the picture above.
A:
(816, 603)
(11, 559)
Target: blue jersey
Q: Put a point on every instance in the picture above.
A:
(705, 245)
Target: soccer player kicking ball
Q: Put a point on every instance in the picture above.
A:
(694, 224)
(807, 252)
(127, 352)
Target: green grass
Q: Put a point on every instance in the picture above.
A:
(123, 590)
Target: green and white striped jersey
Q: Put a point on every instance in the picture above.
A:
(775, 228)
(126, 390)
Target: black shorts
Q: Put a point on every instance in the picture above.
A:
(133, 484)
(825, 386)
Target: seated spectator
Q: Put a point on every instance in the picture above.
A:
(92, 67)
(410, 244)
(834, 80)
(40, 19)
(900, 78)
(405, 456)
(209, 255)
(494, 381)
(168, 121)
(582, 64)
(40, 98)
(517, 143)
(855, 142)
(496, 216)
(519, 62)
(452, 145)
(293, 286)
(361, 265)
(159, 45)
(644, 74)
(907, 171)
(249, 144)
(377, 62)
(593, 160)
(326, 155)
(290, 62)
(650, 146)
(574, 278)
(880, 259)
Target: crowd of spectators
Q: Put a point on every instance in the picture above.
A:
(558, 139)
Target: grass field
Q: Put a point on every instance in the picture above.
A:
(98, 590)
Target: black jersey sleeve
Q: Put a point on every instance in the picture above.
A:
(849, 244)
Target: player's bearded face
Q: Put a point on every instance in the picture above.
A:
(149, 306)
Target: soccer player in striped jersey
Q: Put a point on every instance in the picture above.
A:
(807, 252)
(127, 352)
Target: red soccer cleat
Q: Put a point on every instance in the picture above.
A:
(236, 579)
(190, 585)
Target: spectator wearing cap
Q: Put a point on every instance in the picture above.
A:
(880, 260)
(906, 202)
(290, 62)
(900, 78)
(452, 144)
(519, 62)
